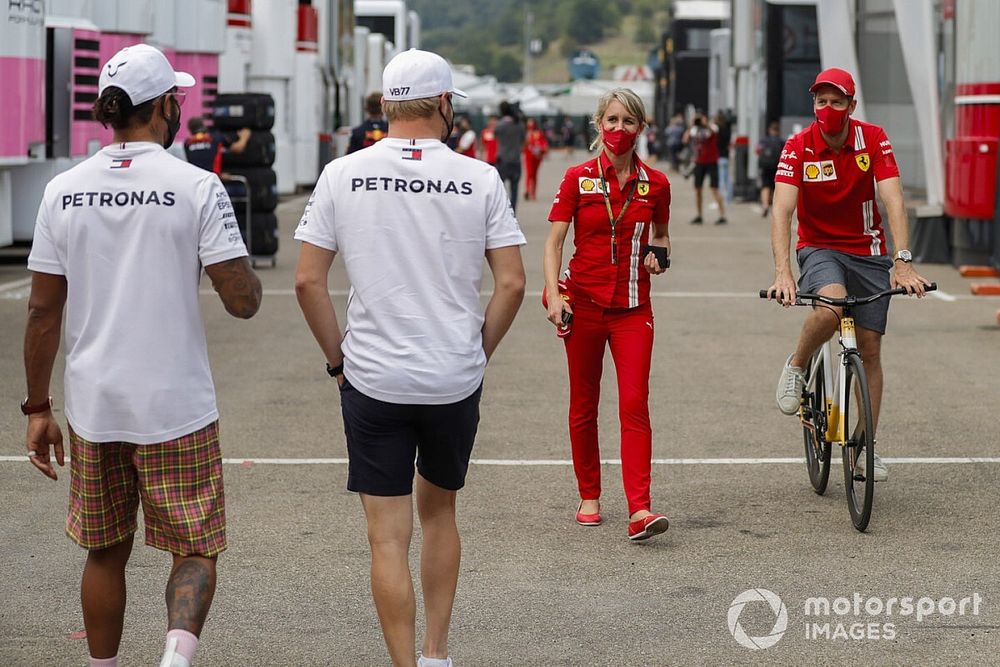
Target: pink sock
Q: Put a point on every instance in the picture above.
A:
(104, 662)
(187, 643)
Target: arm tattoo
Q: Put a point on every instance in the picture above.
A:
(237, 285)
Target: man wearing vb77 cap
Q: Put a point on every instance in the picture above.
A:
(119, 244)
(413, 221)
(828, 173)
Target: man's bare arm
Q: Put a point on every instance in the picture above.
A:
(904, 273)
(312, 291)
(41, 345)
(238, 286)
(508, 292)
(783, 206)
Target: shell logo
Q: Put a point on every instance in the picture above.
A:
(812, 172)
(587, 184)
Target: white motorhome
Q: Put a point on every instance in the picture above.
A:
(50, 58)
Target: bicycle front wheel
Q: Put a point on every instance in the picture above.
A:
(814, 429)
(859, 448)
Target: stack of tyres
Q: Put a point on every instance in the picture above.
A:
(254, 111)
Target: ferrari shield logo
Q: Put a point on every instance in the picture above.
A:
(863, 161)
(643, 188)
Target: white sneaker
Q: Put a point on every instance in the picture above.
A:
(433, 662)
(790, 386)
(171, 658)
(879, 471)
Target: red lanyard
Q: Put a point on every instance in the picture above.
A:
(614, 220)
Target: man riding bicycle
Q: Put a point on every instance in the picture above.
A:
(828, 173)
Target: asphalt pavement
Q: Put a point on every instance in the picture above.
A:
(535, 588)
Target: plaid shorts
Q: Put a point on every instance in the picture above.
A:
(179, 483)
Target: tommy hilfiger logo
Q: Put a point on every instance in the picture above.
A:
(121, 164)
(413, 153)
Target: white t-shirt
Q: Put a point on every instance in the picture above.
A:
(131, 228)
(467, 141)
(413, 221)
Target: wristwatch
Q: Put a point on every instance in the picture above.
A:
(334, 371)
(904, 255)
(35, 409)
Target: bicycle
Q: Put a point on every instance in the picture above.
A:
(829, 403)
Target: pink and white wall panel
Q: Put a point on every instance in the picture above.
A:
(22, 77)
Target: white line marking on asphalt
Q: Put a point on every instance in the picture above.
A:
(944, 296)
(913, 460)
(15, 290)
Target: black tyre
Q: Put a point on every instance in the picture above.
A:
(263, 184)
(231, 111)
(859, 450)
(263, 233)
(814, 432)
(259, 151)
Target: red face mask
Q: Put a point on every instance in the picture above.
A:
(831, 120)
(619, 142)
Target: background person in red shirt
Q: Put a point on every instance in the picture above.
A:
(488, 141)
(828, 172)
(535, 148)
(702, 136)
(619, 208)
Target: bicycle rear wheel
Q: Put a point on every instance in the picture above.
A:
(814, 429)
(859, 450)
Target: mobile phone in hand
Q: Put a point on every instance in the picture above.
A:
(660, 254)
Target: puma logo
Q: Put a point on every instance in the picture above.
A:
(649, 324)
(117, 67)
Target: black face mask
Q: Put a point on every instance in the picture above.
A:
(448, 124)
(173, 126)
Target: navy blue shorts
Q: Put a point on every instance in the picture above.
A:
(860, 275)
(383, 439)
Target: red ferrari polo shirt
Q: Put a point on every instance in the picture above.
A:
(836, 207)
(706, 145)
(611, 279)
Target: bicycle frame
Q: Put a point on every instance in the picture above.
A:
(835, 388)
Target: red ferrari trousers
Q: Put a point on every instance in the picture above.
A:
(629, 334)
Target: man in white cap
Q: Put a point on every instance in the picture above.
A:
(119, 244)
(413, 221)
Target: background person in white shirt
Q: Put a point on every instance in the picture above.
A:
(413, 221)
(119, 243)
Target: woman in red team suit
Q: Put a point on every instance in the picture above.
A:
(619, 209)
(535, 148)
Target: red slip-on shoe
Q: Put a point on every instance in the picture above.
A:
(646, 527)
(587, 519)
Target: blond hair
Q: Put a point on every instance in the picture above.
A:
(410, 109)
(628, 99)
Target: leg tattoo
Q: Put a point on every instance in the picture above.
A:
(189, 593)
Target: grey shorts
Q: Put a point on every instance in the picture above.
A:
(860, 275)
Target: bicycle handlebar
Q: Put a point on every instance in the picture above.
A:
(849, 300)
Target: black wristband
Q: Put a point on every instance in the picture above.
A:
(334, 371)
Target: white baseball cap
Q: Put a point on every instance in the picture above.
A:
(416, 75)
(143, 72)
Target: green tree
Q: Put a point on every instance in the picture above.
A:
(644, 33)
(507, 67)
